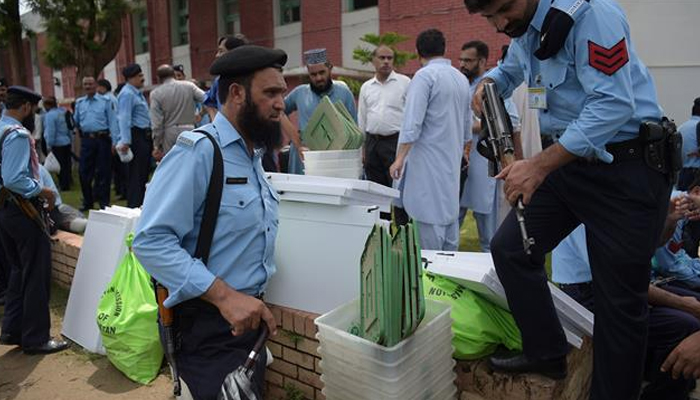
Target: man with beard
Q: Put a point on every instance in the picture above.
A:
(25, 241)
(597, 101)
(219, 305)
(305, 98)
(96, 122)
(436, 126)
(479, 194)
(135, 134)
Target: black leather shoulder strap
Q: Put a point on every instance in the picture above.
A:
(211, 204)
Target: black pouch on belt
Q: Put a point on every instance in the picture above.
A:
(662, 147)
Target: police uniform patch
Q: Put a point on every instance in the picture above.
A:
(608, 60)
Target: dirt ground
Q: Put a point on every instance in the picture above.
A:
(72, 374)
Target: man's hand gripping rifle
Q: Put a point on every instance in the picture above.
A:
(498, 146)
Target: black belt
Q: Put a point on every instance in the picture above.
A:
(626, 151)
(203, 305)
(621, 151)
(582, 285)
(383, 137)
(96, 134)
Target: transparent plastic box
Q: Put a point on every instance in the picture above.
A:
(337, 387)
(430, 358)
(333, 335)
(315, 155)
(428, 373)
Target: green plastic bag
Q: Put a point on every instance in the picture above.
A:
(478, 325)
(127, 316)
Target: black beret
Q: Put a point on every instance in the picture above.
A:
(247, 59)
(131, 70)
(25, 93)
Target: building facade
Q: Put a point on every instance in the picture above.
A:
(186, 31)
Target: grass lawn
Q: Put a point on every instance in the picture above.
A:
(74, 197)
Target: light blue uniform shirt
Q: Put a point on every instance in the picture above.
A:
(16, 167)
(671, 260)
(690, 142)
(94, 114)
(112, 99)
(438, 122)
(56, 131)
(570, 259)
(132, 112)
(46, 180)
(587, 107)
(242, 252)
(304, 101)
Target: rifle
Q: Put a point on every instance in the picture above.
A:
(500, 148)
(39, 217)
(166, 318)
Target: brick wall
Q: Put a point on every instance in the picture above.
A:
(160, 43)
(257, 21)
(321, 28)
(45, 72)
(125, 55)
(410, 17)
(296, 365)
(203, 35)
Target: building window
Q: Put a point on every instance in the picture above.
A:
(180, 25)
(290, 11)
(140, 26)
(230, 17)
(353, 5)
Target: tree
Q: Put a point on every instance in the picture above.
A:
(390, 39)
(11, 38)
(86, 34)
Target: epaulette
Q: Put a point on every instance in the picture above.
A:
(189, 139)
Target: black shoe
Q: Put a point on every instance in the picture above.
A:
(51, 346)
(85, 208)
(554, 368)
(9, 340)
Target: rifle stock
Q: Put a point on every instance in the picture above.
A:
(166, 318)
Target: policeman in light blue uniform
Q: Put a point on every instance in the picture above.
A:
(593, 91)
(135, 133)
(211, 299)
(96, 122)
(58, 139)
(305, 98)
(690, 130)
(26, 245)
(119, 170)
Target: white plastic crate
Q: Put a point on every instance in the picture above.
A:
(315, 155)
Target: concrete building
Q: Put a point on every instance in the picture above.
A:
(185, 32)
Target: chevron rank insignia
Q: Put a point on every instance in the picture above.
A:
(608, 61)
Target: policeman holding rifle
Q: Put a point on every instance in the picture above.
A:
(610, 167)
(24, 231)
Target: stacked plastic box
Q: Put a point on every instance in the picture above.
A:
(417, 368)
(334, 163)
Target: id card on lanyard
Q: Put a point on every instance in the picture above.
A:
(537, 95)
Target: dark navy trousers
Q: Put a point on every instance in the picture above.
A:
(95, 164)
(139, 166)
(208, 351)
(623, 206)
(28, 251)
